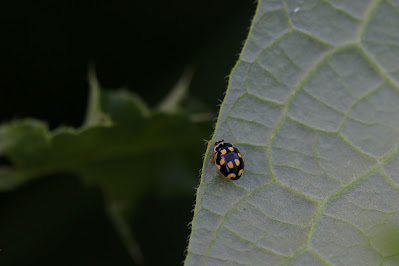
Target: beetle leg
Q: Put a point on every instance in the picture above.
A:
(214, 157)
(224, 179)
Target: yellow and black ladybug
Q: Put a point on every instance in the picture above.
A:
(228, 160)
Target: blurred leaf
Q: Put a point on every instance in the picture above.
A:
(171, 102)
(312, 105)
(94, 112)
(125, 148)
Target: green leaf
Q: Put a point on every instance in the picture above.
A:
(312, 105)
(125, 148)
(171, 103)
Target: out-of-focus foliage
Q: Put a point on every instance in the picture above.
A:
(124, 147)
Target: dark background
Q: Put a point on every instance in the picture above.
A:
(142, 46)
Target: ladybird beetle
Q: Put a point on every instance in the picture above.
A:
(228, 160)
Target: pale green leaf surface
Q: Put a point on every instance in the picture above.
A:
(313, 106)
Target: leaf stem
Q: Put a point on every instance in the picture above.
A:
(125, 234)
